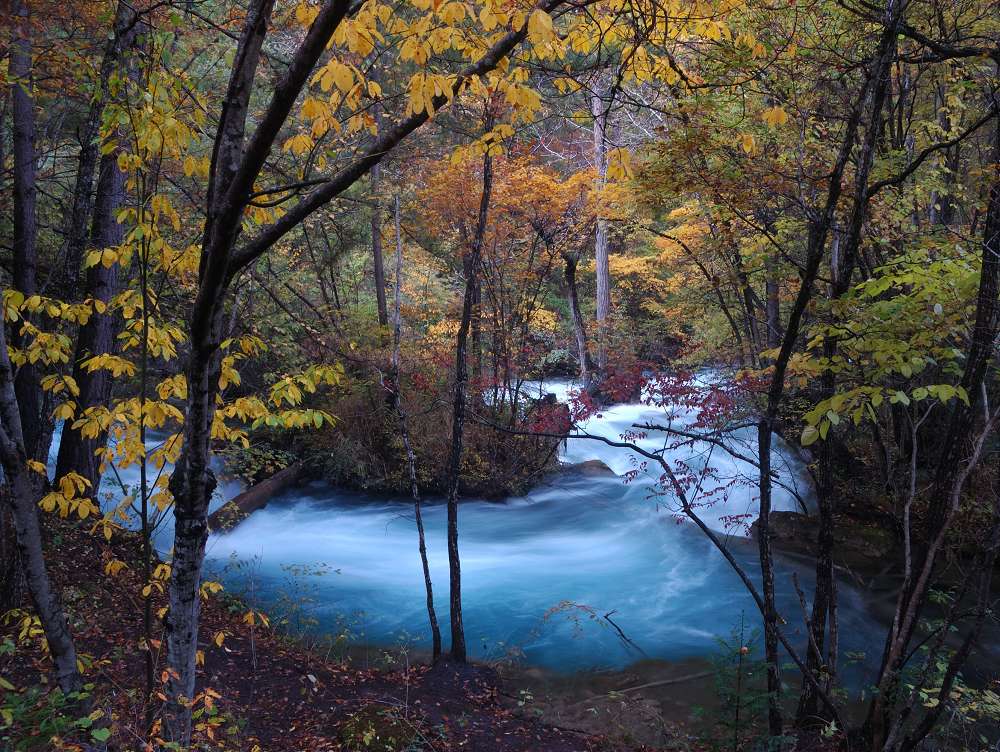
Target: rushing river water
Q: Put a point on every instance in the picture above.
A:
(540, 572)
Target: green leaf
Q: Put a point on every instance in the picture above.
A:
(809, 435)
(101, 734)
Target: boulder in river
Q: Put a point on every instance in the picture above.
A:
(855, 540)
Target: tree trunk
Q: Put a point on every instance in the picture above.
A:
(25, 488)
(377, 260)
(99, 335)
(579, 328)
(773, 305)
(25, 252)
(236, 165)
(126, 27)
(602, 270)
(774, 721)
(843, 263)
(411, 462)
(470, 264)
(951, 471)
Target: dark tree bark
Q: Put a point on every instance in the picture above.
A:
(954, 463)
(236, 165)
(25, 252)
(842, 265)
(377, 260)
(819, 230)
(126, 28)
(99, 335)
(579, 327)
(470, 265)
(25, 488)
(411, 461)
(773, 304)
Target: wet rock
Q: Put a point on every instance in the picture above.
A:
(798, 533)
(590, 467)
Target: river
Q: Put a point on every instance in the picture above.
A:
(540, 572)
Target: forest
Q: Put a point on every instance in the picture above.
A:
(515, 375)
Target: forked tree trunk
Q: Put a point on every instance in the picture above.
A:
(819, 230)
(237, 162)
(843, 263)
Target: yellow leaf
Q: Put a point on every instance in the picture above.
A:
(540, 28)
(774, 116)
(305, 13)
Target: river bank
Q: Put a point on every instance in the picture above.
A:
(313, 702)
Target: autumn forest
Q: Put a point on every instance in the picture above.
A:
(571, 375)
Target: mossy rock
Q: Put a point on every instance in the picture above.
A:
(378, 729)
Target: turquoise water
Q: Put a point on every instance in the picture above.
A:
(540, 572)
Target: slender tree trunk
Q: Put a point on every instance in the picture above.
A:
(377, 258)
(25, 489)
(773, 313)
(602, 269)
(411, 462)
(750, 302)
(774, 720)
(843, 262)
(819, 229)
(470, 264)
(951, 471)
(579, 328)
